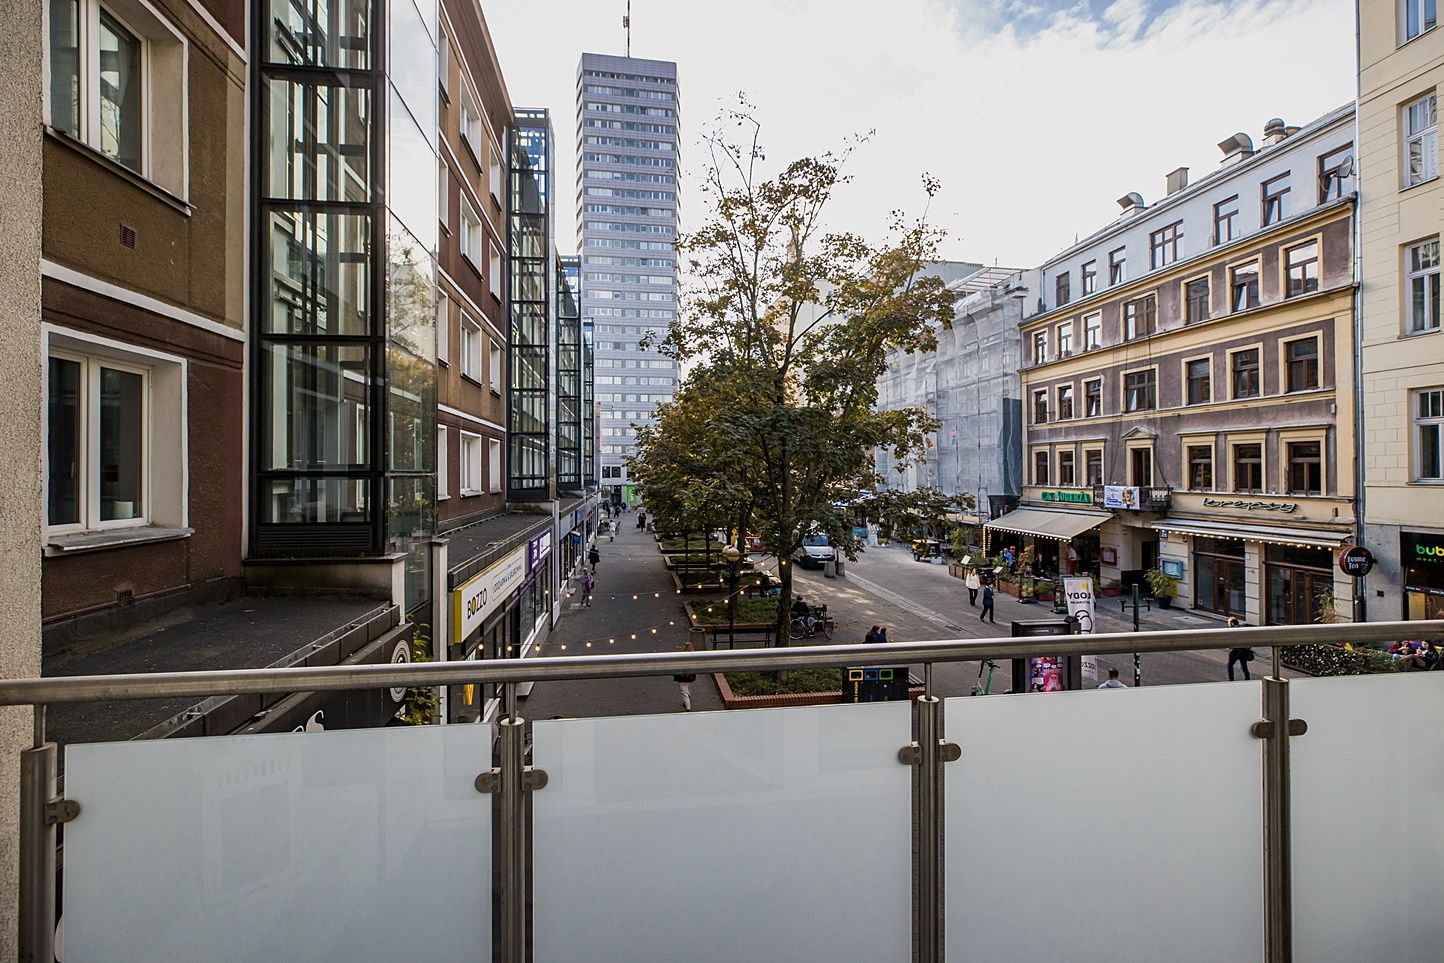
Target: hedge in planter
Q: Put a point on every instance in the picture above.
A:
(1336, 660)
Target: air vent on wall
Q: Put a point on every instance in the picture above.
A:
(127, 235)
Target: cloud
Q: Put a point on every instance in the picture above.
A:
(1035, 115)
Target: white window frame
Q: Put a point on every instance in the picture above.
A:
(494, 273)
(493, 453)
(494, 366)
(1093, 331)
(470, 234)
(1083, 399)
(1426, 276)
(468, 122)
(494, 176)
(443, 193)
(470, 477)
(1417, 6)
(1426, 136)
(1065, 339)
(470, 348)
(1427, 421)
(165, 106)
(443, 466)
(164, 430)
(443, 63)
(443, 328)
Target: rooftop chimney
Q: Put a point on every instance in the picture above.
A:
(1275, 131)
(1177, 181)
(1130, 202)
(1235, 148)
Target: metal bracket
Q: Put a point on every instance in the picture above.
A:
(912, 754)
(1264, 728)
(61, 811)
(531, 778)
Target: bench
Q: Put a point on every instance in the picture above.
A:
(739, 634)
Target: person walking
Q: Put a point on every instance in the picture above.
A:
(1113, 681)
(589, 582)
(987, 613)
(973, 583)
(684, 681)
(594, 557)
(1242, 656)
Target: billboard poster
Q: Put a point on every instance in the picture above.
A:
(1120, 496)
(1045, 674)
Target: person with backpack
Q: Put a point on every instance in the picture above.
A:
(987, 613)
(1243, 656)
(588, 582)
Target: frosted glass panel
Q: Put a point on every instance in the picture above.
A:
(764, 834)
(1105, 826)
(1368, 818)
(359, 845)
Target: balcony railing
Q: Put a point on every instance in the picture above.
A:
(1150, 499)
(1232, 821)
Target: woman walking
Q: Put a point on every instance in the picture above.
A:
(684, 682)
(974, 584)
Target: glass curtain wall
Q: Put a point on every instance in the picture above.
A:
(589, 400)
(569, 376)
(528, 429)
(344, 361)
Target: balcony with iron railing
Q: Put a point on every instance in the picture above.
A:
(1265, 820)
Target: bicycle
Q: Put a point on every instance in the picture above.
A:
(809, 625)
(984, 686)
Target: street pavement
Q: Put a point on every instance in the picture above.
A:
(636, 608)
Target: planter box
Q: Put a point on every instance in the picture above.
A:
(733, 701)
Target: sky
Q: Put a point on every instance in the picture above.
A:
(1034, 114)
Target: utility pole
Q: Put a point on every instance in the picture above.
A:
(1136, 601)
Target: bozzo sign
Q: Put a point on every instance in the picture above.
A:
(480, 595)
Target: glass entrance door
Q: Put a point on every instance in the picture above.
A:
(1219, 585)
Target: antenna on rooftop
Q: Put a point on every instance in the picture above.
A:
(627, 25)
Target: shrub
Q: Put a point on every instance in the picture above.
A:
(1336, 660)
(792, 682)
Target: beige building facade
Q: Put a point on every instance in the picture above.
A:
(1401, 72)
(1188, 384)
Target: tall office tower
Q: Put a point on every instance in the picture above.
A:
(627, 117)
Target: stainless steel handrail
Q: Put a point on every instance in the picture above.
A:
(163, 685)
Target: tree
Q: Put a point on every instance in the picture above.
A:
(785, 327)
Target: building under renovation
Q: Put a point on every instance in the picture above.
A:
(970, 384)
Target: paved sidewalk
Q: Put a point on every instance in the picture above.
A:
(630, 566)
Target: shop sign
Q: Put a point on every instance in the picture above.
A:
(1078, 590)
(1120, 496)
(479, 596)
(1081, 498)
(1287, 508)
(400, 655)
(1356, 560)
(538, 549)
(1422, 549)
(1108, 555)
(1172, 567)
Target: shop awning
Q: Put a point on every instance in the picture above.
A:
(1272, 535)
(1045, 523)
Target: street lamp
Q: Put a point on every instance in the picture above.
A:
(732, 557)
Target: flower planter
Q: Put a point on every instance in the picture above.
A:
(731, 700)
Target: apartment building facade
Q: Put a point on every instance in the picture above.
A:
(475, 121)
(1401, 347)
(1188, 385)
(971, 385)
(627, 217)
(144, 296)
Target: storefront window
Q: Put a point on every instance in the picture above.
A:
(1299, 582)
(1422, 560)
(1218, 566)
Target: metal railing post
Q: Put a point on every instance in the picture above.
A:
(1275, 729)
(513, 830)
(37, 848)
(928, 754)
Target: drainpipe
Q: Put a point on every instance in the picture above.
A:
(1361, 607)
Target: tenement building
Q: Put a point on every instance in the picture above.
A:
(627, 157)
(1401, 403)
(1188, 386)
